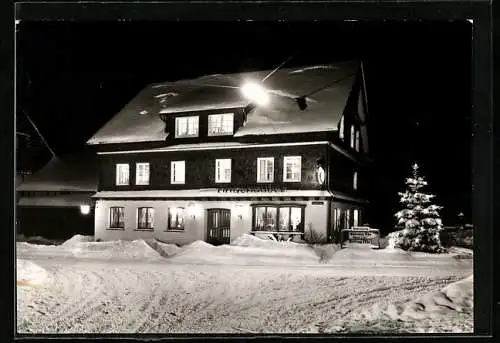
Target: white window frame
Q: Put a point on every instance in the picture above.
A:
(142, 173)
(355, 181)
(119, 225)
(173, 172)
(267, 159)
(193, 120)
(223, 118)
(221, 166)
(341, 128)
(122, 180)
(291, 159)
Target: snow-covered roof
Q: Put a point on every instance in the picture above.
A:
(139, 120)
(71, 172)
(62, 200)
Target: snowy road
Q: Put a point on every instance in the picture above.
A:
(203, 289)
(97, 297)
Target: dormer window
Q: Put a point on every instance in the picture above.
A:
(220, 124)
(186, 127)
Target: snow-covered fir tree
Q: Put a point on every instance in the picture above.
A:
(419, 222)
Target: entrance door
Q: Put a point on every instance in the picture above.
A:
(218, 226)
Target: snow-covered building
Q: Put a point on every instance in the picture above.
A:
(197, 160)
(56, 201)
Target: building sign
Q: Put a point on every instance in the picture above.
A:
(361, 235)
(261, 189)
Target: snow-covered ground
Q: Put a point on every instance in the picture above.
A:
(251, 286)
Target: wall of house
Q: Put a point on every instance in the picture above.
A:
(315, 217)
(54, 222)
(200, 167)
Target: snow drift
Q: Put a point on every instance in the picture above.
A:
(77, 239)
(30, 274)
(452, 299)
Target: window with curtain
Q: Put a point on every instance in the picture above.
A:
(145, 218)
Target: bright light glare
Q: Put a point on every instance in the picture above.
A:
(256, 93)
(84, 209)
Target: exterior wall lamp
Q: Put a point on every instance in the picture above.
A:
(84, 209)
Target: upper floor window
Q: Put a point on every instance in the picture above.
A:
(353, 136)
(265, 169)
(341, 128)
(142, 174)
(117, 218)
(223, 170)
(292, 167)
(177, 172)
(145, 218)
(186, 127)
(355, 181)
(122, 174)
(220, 124)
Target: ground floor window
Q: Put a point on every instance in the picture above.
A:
(145, 216)
(117, 218)
(284, 218)
(355, 217)
(176, 218)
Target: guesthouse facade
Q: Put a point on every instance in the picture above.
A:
(197, 160)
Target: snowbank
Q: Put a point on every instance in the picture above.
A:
(137, 249)
(76, 239)
(30, 274)
(449, 301)
(247, 240)
(164, 249)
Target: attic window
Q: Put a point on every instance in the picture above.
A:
(220, 124)
(186, 127)
(143, 112)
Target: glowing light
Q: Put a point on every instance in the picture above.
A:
(256, 93)
(320, 174)
(84, 209)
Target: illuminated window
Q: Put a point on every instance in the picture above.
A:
(292, 168)
(142, 174)
(220, 124)
(278, 218)
(223, 170)
(186, 127)
(341, 128)
(355, 217)
(145, 218)
(117, 218)
(355, 180)
(176, 218)
(122, 174)
(265, 169)
(177, 172)
(353, 136)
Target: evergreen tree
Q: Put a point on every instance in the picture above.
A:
(419, 222)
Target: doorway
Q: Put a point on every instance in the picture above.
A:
(218, 226)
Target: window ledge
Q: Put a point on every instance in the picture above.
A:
(175, 230)
(116, 228)
(291, 180)
(152, 229)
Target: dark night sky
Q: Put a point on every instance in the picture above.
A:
(73, 77)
